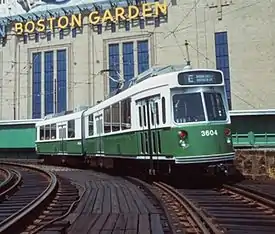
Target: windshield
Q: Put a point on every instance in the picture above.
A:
(214, 106)
(188, 108)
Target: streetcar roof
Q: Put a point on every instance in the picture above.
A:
(59, 119)
(252, 112)
(168, 79)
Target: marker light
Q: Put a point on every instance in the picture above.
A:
(227, 132)
(182, 134)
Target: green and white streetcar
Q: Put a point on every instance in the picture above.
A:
(169, 119)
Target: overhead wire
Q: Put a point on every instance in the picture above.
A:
(239, 83)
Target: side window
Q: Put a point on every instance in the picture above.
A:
(71, 129)
(53, 131)
(91, 124)
(153, 115)
(126, 114)
(115, 117)
(140, 116)
(157, 112)
(42, 132)
(144, 115)
(163, 110)
(47, 132)
(62, 132)
(107, 120)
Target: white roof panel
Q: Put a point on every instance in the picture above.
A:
(252, 112)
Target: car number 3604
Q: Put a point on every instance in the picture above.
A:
(209, 133)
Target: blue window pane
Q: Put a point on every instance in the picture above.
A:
(36, 37)
(128, 61)
(221, 38)
(99, 29)
(226, 74)
(61, 34)
(74, 32)
(36, 85)
(25, 38)
(157, 22)
(229, 104)
(127, 25)
(222, 59)
(221, 51)
(113, 64)
(143, 56)
(49, 35)
(141, 23)
(48, 77)
(61, 80)
(113, 27)
(227, 83)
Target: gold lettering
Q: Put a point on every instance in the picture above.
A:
(76, 21)
(120, 13)
(30, 29)
(51, 23)
(63, 24)
(147, 10)
(132, 15)
(40, 25)
(161, 7)
(107, 16)
(94, 17)
(18, 28)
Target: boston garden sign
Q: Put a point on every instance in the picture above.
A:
(146, 10)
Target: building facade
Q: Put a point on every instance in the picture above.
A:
(59, 68)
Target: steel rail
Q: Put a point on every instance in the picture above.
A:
(7, 176)
(149, 190)
(254, 195)
(11, 184)
(33, 207)
(64, 215)
(203, 222)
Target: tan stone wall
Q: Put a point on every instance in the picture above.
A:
(256, 163)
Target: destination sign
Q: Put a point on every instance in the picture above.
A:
(199, 78)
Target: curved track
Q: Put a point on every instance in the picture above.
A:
(11, 180)
(183, 216)
(26, 194)
(234, 208)
(192, 219)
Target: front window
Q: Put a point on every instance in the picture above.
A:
(214, 106)
(188, 108)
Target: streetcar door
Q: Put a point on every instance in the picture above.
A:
(148, 111)
(154, 113)
(99, 132)
(62, 131)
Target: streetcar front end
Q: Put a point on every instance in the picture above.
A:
(200, 135)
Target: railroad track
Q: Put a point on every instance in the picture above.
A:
(11, 180)
(235, 208)
(108, 201)
(240, 208)
(33, 199)
(108, 204)
(184, 217)
(26, 194)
